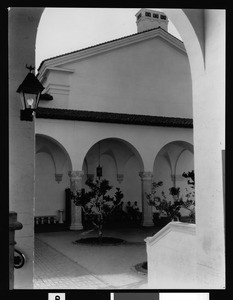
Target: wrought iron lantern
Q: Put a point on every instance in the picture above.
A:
(29, 90)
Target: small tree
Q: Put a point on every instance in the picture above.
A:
(170, 208)
(96, 204)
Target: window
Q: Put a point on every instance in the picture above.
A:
(155, 16)
(148, 14)
(139, 16)
(163, 17)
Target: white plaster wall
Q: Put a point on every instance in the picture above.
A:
(210, 134)
(151, 77)
(172, 261)
(50, 195)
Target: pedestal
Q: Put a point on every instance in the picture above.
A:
(61, 216)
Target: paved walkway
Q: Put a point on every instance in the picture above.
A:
(60, 264)
(53, 270)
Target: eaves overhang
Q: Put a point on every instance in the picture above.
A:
(108, 117)
(42, 75)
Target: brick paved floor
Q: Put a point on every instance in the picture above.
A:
(59, 264)
(53, 270)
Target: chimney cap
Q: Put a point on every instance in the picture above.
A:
(149, 19)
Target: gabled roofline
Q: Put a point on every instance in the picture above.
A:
(109, 45)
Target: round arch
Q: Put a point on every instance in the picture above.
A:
(55, 149)
(167, 159)
(111, 153)
(52, 165)
(121, 165)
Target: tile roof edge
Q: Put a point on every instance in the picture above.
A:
(110, 117)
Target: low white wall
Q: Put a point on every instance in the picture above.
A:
(171, 257)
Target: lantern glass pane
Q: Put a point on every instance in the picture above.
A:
(21, 95)
(30, 100)
(37, 100)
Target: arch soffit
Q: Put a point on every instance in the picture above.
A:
(54, 148)
(131, 147)
(46, 149)
(180, 145)
(179, 158)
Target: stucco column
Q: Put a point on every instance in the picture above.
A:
(76, 213)
(147, 216)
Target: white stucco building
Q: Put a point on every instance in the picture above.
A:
(127, 104)
(203, 34)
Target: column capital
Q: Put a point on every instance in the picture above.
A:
(146, 175)
(76, 174)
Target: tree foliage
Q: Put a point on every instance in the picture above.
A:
(172, 208)
(190, 196)
(96, 203)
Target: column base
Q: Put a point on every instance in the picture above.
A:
(76, 226)
(148, 223)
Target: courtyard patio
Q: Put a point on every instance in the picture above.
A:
(61, 264)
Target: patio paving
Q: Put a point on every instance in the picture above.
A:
(60, 264)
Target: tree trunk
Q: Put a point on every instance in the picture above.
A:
(100, 232)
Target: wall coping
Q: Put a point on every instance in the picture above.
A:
(186, 228)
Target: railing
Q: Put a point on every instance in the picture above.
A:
(40, 220)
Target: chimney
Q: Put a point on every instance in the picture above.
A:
(149, 19)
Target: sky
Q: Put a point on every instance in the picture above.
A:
(63, 30)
